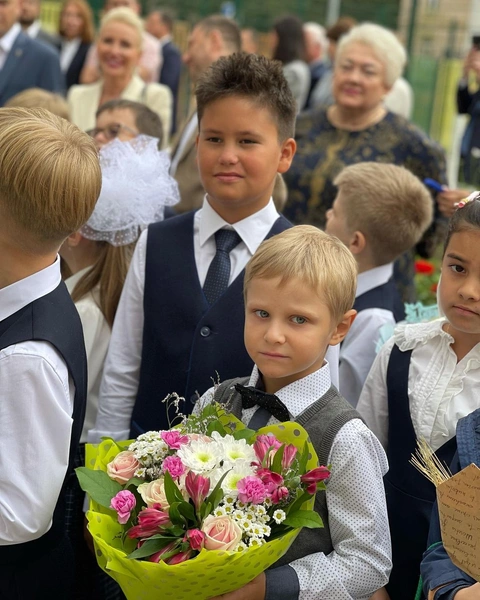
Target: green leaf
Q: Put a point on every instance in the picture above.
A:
(98, 485)
(304, 518)
(135, 481)
(172, 492)
(150, 547)
(175, 517)
(277, 461)
(205, 510)
(187, 510)
(244, 434)
(216, 494)
(302, 463)
(216, 426)
(297, 505)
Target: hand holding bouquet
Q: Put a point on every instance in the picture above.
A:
(206, 499)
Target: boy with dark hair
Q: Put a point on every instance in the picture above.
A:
(299, 290)
(49, 182)
(180, 319)
(381, 211)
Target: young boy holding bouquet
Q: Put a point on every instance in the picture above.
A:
(49, 182)
(299, 290)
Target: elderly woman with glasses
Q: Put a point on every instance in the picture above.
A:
(357, 127)
(119, 48)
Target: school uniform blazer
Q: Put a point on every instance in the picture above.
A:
(30, 64)
(83, 101)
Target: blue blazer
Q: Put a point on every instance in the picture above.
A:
(30, 64)
(170, 75)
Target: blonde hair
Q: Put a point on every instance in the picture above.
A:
(384, 44)
(317, 259)
(50, 177)
(108, 273)
(38, 98)
(126, 16)
(388, 204)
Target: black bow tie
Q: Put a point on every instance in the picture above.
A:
(252, 397)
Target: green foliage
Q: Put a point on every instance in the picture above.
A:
(304, 518)
(98, 485)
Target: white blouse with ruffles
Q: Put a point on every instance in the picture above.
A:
(440, 389)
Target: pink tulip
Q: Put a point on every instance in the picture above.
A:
(279, 494)
(157, 557)
(264, 444)
(270, 479)
(197, 488)
(195, 538)
(179, 558)
(150, 522)
(315, 475)
(289, 453)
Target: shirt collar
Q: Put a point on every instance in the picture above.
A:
(33, 30)
(165, 39)
(17, 295)
(372, 278)
(247, 228)
(8, 39)
(300, 394)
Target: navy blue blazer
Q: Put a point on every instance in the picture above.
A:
(72, 76)
(30, 64)
(170, 74)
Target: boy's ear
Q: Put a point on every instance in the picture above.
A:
(343, 327)
(288, 149)
(357, 243)
(74, 239)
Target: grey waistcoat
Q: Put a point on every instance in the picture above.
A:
(322, 420)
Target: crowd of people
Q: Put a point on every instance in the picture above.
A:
(270, 235)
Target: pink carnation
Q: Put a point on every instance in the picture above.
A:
(123, 503)
(251, 489)
(174, 439)
(174, 466)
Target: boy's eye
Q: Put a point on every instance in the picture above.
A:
(214, 140)
(457, 268)
(248, 142)
(263, 314)
(299, 320)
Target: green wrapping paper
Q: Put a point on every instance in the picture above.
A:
(209, 574)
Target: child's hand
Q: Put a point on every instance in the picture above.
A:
(380, 594)
(469, 593)
(254, 590)
(446, 201)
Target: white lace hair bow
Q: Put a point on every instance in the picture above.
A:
(136, 187)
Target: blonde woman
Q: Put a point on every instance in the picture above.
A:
(119, 47)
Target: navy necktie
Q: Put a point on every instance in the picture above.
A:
(218, 275)
(268, 402)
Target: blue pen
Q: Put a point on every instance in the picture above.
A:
(431, 183)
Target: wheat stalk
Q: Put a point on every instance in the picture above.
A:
(427, 462)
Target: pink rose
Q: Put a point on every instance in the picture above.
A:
(153, 493)
(123, 467)
(195, 437)
(251, 489)
(174, 439)
(221, 533)
(123, 503)
(174, 465)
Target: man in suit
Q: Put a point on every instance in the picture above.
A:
(24, 63)
(159, 23)
(30, 22)
(211, 38)
(316, 45)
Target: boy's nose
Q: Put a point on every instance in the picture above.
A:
(470, 289)
(228, 156)
(274, 334)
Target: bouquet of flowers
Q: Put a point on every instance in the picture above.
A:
(207, 502)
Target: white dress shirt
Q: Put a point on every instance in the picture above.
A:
(36, 406)
(68, 51)
(33, 29)
(187, 134)
(96, 334)
(119, 386)
(359, 347)
(7, 41)
(360, 562)
(440, 389)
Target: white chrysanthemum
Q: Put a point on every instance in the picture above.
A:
(260, 510)
(228, 499)
(238, 515)
(199, 456)
(267, 502)
(241, 505)
(242, 546)
(256, 530)
(245, 525)
(233, 449)
(219, 511)
(279, 516)
(253, 542)
(236, 473)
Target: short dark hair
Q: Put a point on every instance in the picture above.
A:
(167, 17)
(228, 29)
(255, 78)
(466, 218)
(147, 121)
(340, 27)
(291, 39)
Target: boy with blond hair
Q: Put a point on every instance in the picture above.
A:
(381, 211)
(299, 289)
(49, 182)
(181, 316)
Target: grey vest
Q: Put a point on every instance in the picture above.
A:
(322, 420)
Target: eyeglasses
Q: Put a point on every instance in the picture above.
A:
(110, 132)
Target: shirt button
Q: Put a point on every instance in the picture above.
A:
(205, 331)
